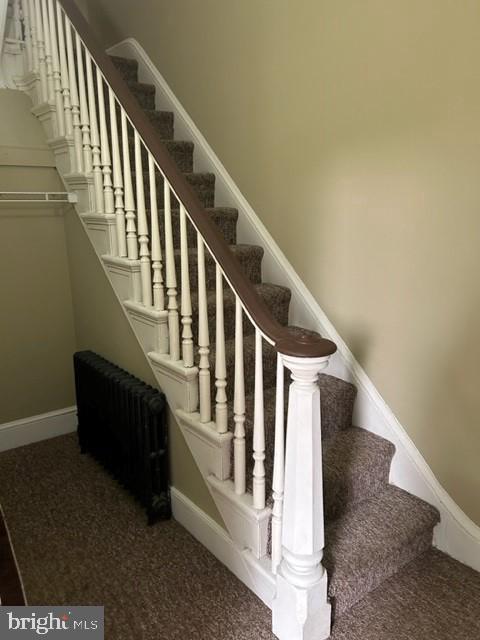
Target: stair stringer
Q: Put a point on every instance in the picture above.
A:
(246, 536)
(456, 534)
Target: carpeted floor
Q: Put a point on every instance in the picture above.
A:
(80, 539)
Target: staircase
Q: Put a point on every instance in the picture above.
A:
(304, 493)
(372, 528)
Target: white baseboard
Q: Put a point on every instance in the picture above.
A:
(457, 534)
(211, 535)
(42, 427)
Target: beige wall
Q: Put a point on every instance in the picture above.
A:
(102, 326)
(353, 128)
(22, 140)
(37, 337)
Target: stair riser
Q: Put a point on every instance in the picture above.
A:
(128, 69)
(163, 122)
(338, 400)
(144, 94)
(368, 582)
(204, 187)
(337, 499)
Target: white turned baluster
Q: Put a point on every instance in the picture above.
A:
(72, 76)
(48, 53)
(278, 468)
(132, 246)
(145, 268)
(300, 607)
(171, 278)
(33, 34)
(67, 105)
(28, 33)
(203, 336)
(239, 457)
(42, 69)
(84, 119)
(258, 429)
(57, 83)
(117, 179)
(105, 148)
(158, 293)
(221, 409)
(94, 138)
(186, 302)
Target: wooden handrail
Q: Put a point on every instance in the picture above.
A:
(303, 345)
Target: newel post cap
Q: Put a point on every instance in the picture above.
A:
(301, 344)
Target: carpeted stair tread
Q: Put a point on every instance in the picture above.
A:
(225, 218)
(180, 150)
(127, 67)
(249, 256)
(356, 463)
(373, 540)
(144, 94)
(203, 183)
(163, 121)
(356, 467)
(433, 598)
(338, 399)
(276, 298)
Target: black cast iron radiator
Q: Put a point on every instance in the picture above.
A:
(122, 423)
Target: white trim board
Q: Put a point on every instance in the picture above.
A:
(214, 537)
(35, 428)
(457, 534)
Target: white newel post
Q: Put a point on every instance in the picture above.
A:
(300, 609)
